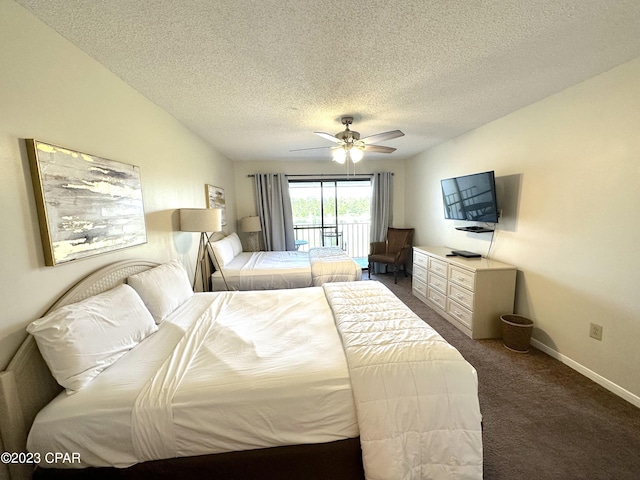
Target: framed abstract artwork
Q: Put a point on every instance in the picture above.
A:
(215, 199)
(86, 204)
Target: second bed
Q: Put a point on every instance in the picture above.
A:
(238, 270)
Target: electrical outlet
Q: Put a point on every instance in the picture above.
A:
(595, 331)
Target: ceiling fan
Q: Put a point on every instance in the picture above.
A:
(351, 147)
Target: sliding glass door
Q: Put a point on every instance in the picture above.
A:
(332, 213)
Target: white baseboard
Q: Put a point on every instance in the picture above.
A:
(599, 379)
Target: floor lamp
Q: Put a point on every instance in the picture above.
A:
(252, 226)
(201, 220)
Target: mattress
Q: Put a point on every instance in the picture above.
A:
(263, 375)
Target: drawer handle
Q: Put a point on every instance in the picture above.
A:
(461, 297)
(458, 314)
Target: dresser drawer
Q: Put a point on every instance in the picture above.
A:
(462, 277)
(460, 313)
(461, 295)
(437, 282)
(421, 260)
(436, 297)
(419, 273)
(419, 287)
(438, 266)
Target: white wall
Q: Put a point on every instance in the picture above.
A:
(52, 91)
(568, 174)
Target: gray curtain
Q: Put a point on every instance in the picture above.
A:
(381, 209)
(273, 205)
(381, 205)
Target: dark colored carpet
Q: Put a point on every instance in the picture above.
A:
(541, 419)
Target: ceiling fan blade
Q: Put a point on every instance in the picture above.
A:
(378, 149)
(312, 148)
(328, 136)
(381, 137)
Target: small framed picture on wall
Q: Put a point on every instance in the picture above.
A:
(215, 199)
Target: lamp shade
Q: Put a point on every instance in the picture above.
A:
(200, 220)
(356, 154)
(339, 155)
(250, 224)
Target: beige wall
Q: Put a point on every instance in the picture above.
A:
(568, 174)
(52, 91)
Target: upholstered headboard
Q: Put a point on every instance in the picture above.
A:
(26, 385)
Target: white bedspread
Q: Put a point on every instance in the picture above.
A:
(264, 271)
(279, 270)
(416, 397)
(243, 370)
(270, 270)
(331, 264)
(268, 370)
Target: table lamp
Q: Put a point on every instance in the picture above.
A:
(252, 226)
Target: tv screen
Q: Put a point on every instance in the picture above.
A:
(471, 197)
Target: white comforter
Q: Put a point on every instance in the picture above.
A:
(272, 270)
(228, 371)
(279, 269)
(248, 369)
(331, 264)
(416, 397)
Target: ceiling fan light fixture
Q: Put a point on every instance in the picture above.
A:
(355, 154)
(339, 155)
(350, 147)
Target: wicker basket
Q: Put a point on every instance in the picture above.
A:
(516, 332)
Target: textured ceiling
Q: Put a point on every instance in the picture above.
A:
(256, 78)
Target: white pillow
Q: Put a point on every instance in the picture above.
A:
(236, 244)
(80, 340)
(223, 250)
(163, 288)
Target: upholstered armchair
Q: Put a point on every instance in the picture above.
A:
(394, 251)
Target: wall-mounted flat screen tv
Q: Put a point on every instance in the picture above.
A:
(471, 197)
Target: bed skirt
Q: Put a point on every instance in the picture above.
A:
(339, 460)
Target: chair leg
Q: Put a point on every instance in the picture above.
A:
(369, 270)
(404, 268)
(395, 274)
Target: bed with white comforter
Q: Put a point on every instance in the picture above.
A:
(243, 371)
(238, 270)
(226, 371)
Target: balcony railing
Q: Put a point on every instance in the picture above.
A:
(351, 237)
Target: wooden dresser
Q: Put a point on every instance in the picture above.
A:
(471, 293)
